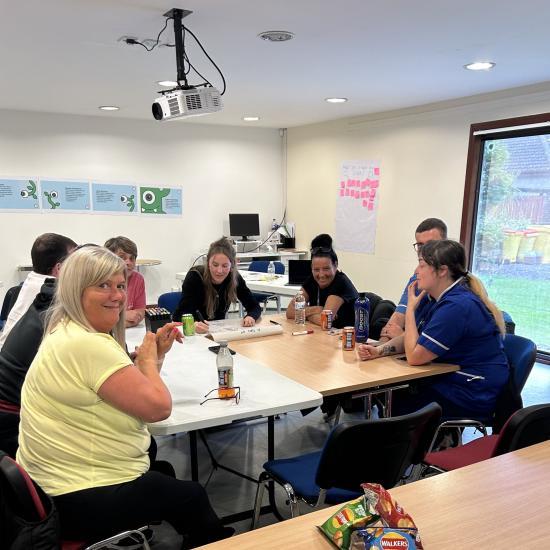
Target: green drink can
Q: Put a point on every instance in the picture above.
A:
(188, 324)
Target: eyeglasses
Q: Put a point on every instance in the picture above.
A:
(418, 246)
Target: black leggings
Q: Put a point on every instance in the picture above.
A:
(100, 512)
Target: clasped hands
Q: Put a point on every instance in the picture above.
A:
(156, 345)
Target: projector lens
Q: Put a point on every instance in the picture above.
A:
(157, 111)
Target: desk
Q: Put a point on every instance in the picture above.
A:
(274, 284)
(262, 282)
(318, 361)
(190, 372)
(502, 503)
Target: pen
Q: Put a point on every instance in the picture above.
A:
(274, 322)
(199, 316)
(300, 332)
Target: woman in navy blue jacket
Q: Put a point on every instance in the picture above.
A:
(452, 320)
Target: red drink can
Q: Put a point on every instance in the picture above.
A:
(326, 319)
(348, 338)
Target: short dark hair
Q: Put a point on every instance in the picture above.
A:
(48, 250)
(122, 243)
(321, 247)
(433, 223)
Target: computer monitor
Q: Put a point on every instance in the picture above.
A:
(244, 225)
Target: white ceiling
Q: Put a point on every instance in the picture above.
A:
(62, 56)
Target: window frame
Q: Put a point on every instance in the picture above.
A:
(473, 172)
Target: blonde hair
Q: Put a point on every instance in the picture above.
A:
(85, 267)
(452, 254)
(221, 246)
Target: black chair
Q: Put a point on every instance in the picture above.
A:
(525, 427)
(364, 451)
(521, 354)
(29, 518)
(264, 297)
(169, 301)
(380, 312)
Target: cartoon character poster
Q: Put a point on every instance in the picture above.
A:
(114, 198)
(158, 200)
(19, 194)
(65, 195)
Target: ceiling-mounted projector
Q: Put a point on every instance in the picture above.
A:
(187, 102)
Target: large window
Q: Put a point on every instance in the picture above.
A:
(506, 220)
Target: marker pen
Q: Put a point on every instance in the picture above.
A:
(274, 322)
(301, 332)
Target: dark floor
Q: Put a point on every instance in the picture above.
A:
(244, 448)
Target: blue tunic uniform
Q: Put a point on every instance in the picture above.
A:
(461, 330)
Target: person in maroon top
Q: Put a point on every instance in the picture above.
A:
(135, 292)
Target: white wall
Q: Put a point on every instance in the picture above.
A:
(422, 153)
(221, 169)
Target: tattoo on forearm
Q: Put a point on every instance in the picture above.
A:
(387, 350)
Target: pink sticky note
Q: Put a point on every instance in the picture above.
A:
(365, 203)
(377, 171)
(342, 184)
(371, 206)
(357, 194)
(364, 194)
(372, 193)
(342, 192)
(373, 184)
(347, 192)
(349, 183)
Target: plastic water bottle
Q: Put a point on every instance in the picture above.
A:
(300, 308)
(224, 362)
(271, 268)
(362, 315)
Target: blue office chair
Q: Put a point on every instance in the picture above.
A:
(364, 451)
(264, 297)
(521, 354)
(169, 301)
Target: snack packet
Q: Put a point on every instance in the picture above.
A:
(384, 538)
(353, 515)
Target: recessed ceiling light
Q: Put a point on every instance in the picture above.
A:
(251, 118)
(109, 107)
(479, 66)
(276, 36)
(167, 83)
(336, 99)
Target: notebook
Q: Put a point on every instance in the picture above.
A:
(298, 271)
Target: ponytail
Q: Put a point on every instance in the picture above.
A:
(476, 286)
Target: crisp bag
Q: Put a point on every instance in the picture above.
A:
(394, 528)
(353, 515)
(374, 521)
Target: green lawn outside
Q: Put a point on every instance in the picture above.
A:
(528, 303)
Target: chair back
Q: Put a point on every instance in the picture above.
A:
(376, 451)
(521, 354)
(28, 516)
(169, 301)
(525, 427)
(262, 265)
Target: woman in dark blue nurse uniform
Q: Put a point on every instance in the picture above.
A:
(456, 324)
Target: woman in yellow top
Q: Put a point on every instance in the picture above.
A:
(84, 407)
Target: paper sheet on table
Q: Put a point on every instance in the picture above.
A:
(241, 333)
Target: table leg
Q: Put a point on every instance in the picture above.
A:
(194, 456)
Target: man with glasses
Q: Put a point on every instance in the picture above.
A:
(431, 229)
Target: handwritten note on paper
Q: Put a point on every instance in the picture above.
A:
(356, 206)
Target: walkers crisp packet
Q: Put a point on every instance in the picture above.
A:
(374, 521)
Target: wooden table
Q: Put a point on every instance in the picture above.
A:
(318, 361)
(498, 503)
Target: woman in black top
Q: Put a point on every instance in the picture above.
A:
(209, 290)
(327, 288)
